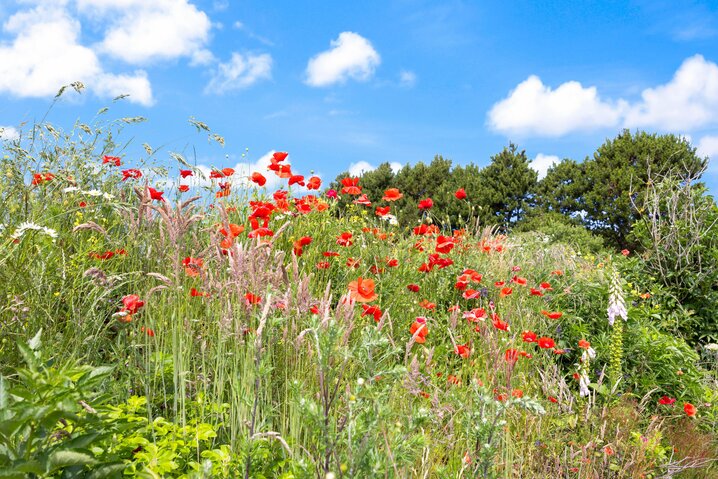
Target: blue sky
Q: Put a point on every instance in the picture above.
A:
(349, 85)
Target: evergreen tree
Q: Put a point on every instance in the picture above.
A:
(616, 179)
(507, 185)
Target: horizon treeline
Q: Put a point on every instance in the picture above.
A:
(604, 194)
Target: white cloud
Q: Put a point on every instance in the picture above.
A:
(9, 133)
(350, 56)
(141, 31)
(708, 146)
(46, 54)
(360, 167)
(689, 100)
(407, 78)
(542, 163)
(533, 108)
(240, 72)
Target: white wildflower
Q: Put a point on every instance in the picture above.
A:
(390, 218)
(20, 231)
(616, 303)
(583, 385)
(70, 189)
(588, 354)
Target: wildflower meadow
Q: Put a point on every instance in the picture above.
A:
(157, 320)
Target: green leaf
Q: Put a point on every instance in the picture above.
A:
(60, 459)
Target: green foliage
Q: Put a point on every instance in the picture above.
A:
(48, 420)
(508, 182)
(557, 228)
(678, 235)
(617, 175)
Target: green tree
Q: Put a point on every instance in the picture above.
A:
(562, 189)
(507, 185)
(616, 179)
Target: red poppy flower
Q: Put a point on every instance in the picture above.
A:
(471, 294)
(666, 401)
(557, 272)
(552, 314)
(552, 399)
(536, 292)
(132, 303)
(518, 280)
(583, 344)
(546, 343)
(426, 204)
(323, 265)
(258, 178)
(351, 186)
(183, 188)
(113, 160)
(392, 263)
(363, 200)
(511, 356)
(392, 194)
(463, 350)
(414, 288)
(517, 393)
(529, 337)
(419, 330)
(460, 194)
(444, 244)
(372, 310)
(690, 409)
(546, 286)
(498, 323)
(362, 290)
(314, 183)
(252, 299)
(382, 210)
(426, 304)
(345, 239)
(155, 195)
(625, 252)
(149, 332)
(280, 155)
(353, 263)
(192, 266)
(296, 180)
(506, 291)
(131, 173)
(186, 173)
(194, 293)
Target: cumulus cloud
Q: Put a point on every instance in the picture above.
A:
(533, 108)
(240, 72)
(46, 54)
(350, 56)
(708, 147)
(688, 101)
(542, 163)
(360, 167)
(9, 133)
(141, 31)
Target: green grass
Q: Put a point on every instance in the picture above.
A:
(299, 394)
